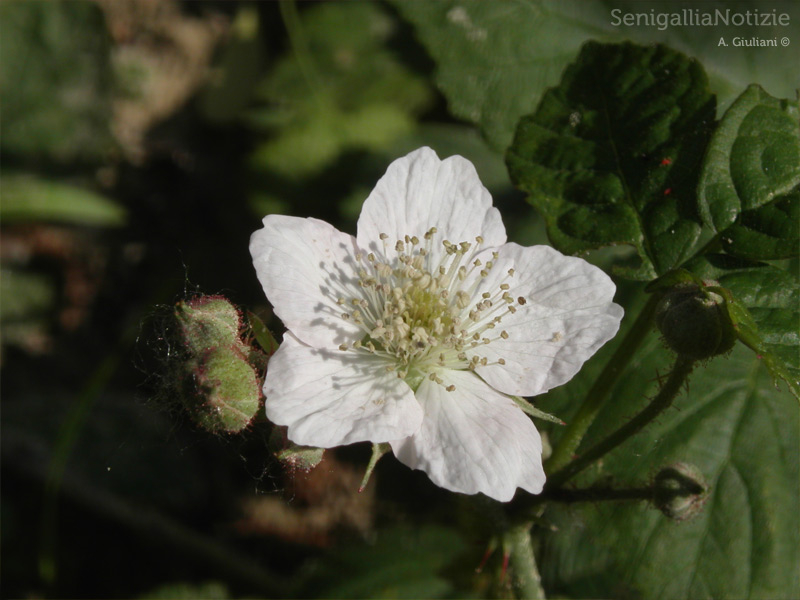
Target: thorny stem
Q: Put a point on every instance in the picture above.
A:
(525, 576)
(583, 419)
(663, 400)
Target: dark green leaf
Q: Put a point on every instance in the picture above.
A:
(766, 308)
(610, 155)
(743, 437)
(495, 59)
(753, 160)
(768, 233)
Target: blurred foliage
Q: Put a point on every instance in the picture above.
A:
(55, 81)
(339, 89)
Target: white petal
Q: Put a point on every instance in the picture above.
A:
(304, 265)
(418, 192)
(473, 439)
(329, 398)
(567, 316)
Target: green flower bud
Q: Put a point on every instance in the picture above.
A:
(207, 322)
(224, 390)
(679, 491)
(219, 373)
(695, 322)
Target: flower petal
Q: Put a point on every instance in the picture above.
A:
(329, 398)
(473, 439)
(304, 265)
(418, 192)
(567, 315)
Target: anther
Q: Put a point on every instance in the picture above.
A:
(451, 388)
(521, 300)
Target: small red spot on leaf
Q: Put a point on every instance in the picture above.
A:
(667, 191)
(666, 161)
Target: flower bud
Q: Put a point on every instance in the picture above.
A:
(219, 373)
(695, 322)
(208, 321)
(679, 491)
(224, 391)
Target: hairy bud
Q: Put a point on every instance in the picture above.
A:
(679, 491)
(219, 373)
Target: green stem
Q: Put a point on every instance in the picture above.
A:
(663, 400)
(583, 419)
(524, 574)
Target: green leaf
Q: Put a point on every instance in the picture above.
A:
(768, 233)
(753, 158)
(743, 437)
(610, 155)
(495, 59)
(766, 309)
(29, 198)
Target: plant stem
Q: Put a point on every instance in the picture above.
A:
(524, 574)
(683, 367)
(583, 419)
(599, 494)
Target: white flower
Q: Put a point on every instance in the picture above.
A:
(418, 330)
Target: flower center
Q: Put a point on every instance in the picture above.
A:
(424, 314)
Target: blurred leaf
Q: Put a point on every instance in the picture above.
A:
(211, 590)
(401, 563)
(771, 298)
(306, 148)
(25, 295)
(495, 59)
(610, 155)
(55, 80)
(339, 89)
(750, 181)
(29, 198)
(235, 73)
(743, 437)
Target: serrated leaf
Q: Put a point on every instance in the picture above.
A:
(743, 437)
(29, 198)
(495, 59)
(610, 155)
(753, 160)
(771, 298)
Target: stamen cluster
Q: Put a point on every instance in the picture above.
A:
(423, 316)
